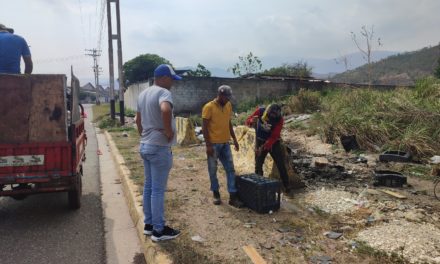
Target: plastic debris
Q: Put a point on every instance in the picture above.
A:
(198, 238)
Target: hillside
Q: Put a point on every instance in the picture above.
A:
(400, 69)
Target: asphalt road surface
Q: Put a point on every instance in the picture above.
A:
(41, 228)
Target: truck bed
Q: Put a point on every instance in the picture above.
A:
(33, 108)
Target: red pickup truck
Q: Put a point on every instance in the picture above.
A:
(42, 137)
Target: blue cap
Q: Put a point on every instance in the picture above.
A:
(166, 70)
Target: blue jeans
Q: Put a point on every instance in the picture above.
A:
(224, 154)
(158, 161)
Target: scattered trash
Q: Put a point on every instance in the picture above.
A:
(125, 134)
(333, 235)
(198, 238)
(359, 159)
(370, 220)
(250, 224)
(99, 152)
(435, 160)
(353, 244)
(198, 130)
(201, 138)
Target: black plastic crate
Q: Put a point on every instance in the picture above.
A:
(259, 193)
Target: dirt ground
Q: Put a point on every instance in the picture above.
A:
(339, 197)
(297, 233)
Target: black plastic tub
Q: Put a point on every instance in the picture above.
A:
(396, 156)
(389, 178)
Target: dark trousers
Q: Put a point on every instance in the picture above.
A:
(277, 155)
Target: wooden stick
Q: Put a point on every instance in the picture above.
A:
(394, 194)
(253, 255)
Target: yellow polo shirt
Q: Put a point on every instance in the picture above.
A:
(219, 118)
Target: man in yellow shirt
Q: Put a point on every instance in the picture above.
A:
(217, 131)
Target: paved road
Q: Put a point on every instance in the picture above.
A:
(41, 229)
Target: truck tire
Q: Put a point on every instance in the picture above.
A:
(74, 196)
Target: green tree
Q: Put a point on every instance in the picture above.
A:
(299, 69)
(437, 69)
(142, 67)
(200, 71)
(247, 64)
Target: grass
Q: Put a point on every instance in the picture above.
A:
(101, 115)
(380, 256)
(305, 102)
(127, 146)
(403, 119)
(100, 111)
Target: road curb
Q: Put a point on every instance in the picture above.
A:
(152, 252)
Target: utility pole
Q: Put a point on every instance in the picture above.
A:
(110, 61)
(111, 37)
(96, 70)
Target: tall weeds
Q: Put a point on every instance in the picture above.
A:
(402, 119)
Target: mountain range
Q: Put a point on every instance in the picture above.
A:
(399, 69)
(321, 68)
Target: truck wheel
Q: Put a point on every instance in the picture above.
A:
(74, 196)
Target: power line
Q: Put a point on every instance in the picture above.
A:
(95, 53)
(60, 59)
(101, 26)
(82, 23)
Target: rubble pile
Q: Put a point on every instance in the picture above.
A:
(415, 242)
(332, 201)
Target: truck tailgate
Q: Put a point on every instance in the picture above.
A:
(34, 162)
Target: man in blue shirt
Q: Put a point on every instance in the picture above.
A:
(12, 48)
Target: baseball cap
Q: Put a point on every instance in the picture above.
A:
(3, 27)
(166, 70)
(225, 90)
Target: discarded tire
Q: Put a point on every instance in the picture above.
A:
(396, 156)
(389, 178)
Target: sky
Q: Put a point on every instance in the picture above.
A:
(215, 33)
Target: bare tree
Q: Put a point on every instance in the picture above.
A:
(368, 35)
(343, 59)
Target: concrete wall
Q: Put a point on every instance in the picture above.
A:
(132, 93)
(191, 93)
